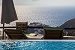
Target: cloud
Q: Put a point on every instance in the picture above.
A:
(22, 2)
(44, 2)
(55, 3)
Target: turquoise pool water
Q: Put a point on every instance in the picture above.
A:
(38, 45)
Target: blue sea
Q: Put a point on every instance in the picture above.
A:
(52, 16)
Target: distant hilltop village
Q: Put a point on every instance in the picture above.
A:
(37, 30)
(38, 24)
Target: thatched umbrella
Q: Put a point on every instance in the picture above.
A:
(8, 13)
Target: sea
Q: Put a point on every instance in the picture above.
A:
(52, 16)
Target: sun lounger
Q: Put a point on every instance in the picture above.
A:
(15, 34)
(53, 34)
(21, 25)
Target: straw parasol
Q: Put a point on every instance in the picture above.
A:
(8, 13)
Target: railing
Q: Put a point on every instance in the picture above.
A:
(27, 27)
(14, 27)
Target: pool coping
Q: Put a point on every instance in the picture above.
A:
(38, 40)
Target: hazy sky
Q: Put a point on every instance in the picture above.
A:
(45, 2)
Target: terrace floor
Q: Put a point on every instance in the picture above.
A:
(40, 37)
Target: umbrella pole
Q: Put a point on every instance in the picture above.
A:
(3, 31)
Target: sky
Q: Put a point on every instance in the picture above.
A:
(44, 2)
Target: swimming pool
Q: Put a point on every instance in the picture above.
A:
(38, 45)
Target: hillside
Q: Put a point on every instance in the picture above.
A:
(69, 24)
